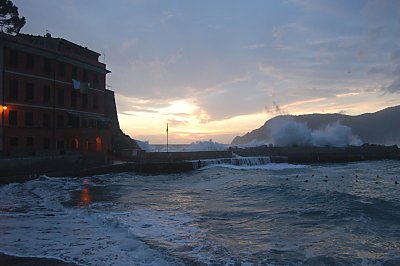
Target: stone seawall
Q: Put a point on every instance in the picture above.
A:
(23, 169)
(183, 156)
(26, 168)
(324, 154)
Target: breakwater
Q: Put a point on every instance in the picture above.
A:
(161, 157)
(324, 154)
(168, 163)
(22, 169)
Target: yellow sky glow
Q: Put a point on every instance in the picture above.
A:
(188, 122)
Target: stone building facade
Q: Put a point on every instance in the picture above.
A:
(52, 97)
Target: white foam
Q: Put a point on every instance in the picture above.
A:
(34, 223)
(245, 163)
(270, 166)
(206, 146)
(253, 143)
(194, 146)
(288, 132)
(169, 229)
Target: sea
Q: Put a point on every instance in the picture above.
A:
(222, 214)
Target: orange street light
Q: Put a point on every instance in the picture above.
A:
(5, 107)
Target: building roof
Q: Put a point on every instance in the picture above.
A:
(57, 46)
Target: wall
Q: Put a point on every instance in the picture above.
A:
(182, 156)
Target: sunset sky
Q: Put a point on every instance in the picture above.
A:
(214, 69)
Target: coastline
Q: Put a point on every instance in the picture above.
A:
(154, 163)
(13, 260)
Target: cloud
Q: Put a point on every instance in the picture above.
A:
(394, 75)
(287, 30)
(129, 44)
(138, 109)
(394, 86)
(255, 46)
(130, 104)
(270, 71)
(275, 110)
(232, 60)
(381, 70)
(347, 94)
(167, 15)
(177, 123)
(382, 10)
(395, 55)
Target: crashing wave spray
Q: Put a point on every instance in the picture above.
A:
(238, 161)
(289, 133)
(206, 146)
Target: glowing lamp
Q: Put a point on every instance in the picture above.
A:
(5, 107)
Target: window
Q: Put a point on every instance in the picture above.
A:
(85, 77)
(99, 144)
(13, 118)
(13, 141)
(88, 145)
(14, 58)
(74, 97)
(47, 65)
(95, 78)
(60, 121)
(60, 96)
(46, 94)
(60, 145)
(74, 144)
(29, 141)
(92, 123)
(46, 120)
(61, 69)
(29, 119)
(46, 143)
(30, 61)
(73, 121)
(95, 102)
(29, 91)
(74, 72)
(84, 101)
(13, 87)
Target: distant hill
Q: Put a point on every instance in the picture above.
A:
(382, 127)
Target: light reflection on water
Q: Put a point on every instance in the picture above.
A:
(85, 198)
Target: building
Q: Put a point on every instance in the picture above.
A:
(52, 97)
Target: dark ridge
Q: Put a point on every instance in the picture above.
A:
(380, 127)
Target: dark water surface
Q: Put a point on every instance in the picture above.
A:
(237, 215)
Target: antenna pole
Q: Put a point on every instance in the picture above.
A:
(167, 137)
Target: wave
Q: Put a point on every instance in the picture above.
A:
(244, 163)
(209, 217)
(35, 218)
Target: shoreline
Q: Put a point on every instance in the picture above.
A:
(6, 259)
